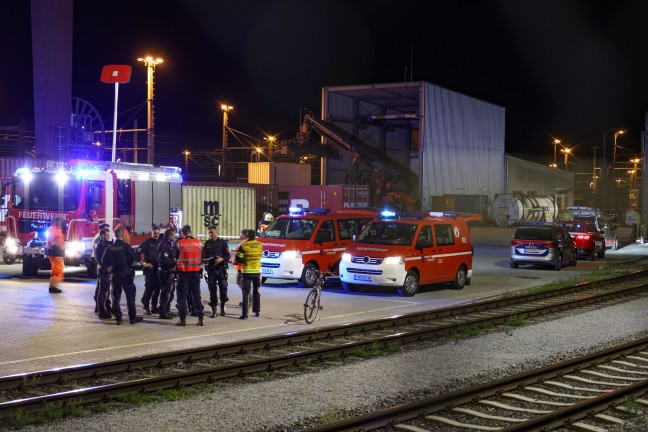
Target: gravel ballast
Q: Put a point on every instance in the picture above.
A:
(288, 403)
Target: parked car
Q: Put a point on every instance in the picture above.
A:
(589, 240)
(544, 244)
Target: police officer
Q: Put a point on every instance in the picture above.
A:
(118, 259)
(147, 251)
(167, 255)
(96, 258)
(56, 252)
(103, 278)
(216, 255)
(189, 261)
(249, 255)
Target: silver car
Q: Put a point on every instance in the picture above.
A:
(543, 244)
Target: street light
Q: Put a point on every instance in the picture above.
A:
(150, 64)
(555, 162)
(186, 154)
(616, 134)
(567, 152)
(271, 140)
(225, 109)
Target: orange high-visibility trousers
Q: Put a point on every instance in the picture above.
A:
(56, 277)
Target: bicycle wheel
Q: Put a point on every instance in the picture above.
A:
(311, 307)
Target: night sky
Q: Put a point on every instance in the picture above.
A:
(564, 69)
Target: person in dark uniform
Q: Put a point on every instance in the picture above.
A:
(96, 259)
(103, 278)
(118, 259)
(147, 251)
(189, 262)
(167, 255)
(216, 255)
(249, 255)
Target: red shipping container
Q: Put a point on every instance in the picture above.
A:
(333, 197)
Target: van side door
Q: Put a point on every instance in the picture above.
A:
(425, 250)
(328, 244)
(446, 262)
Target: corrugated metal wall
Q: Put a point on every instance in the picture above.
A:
(534, 178)
(463, 145)
(266, 195)
(9, 165)
(279, 173)
(231, 209)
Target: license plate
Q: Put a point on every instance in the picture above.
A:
(266, 271)
(531, 251)
(362, 277)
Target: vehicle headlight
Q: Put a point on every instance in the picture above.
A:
(11, 245)
(291, 254)
(346, 257)
(394, 260)
(73, 248)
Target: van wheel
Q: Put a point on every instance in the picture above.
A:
(410, 286)
(460, 278)
(514, 264)
(8, 258)
(350, 287)
(309, 276)
(558, 264)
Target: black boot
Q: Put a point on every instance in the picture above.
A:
(181, 323)
(213, 314)
(200, 322)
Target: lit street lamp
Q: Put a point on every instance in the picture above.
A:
(271, 140)
(616, 134)
(186, 154)
(567, 152)
(150, 64)
(225, 109)
(555, 162)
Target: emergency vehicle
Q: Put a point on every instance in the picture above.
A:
(86, 194)
(305, 240)
(409, 250)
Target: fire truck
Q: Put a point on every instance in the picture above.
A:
(86, 194)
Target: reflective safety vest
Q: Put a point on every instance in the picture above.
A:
(249, 255)
(55, 242)
(189, 255)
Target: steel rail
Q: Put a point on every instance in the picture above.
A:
(414, 410)
(210, 374)
(90, 370)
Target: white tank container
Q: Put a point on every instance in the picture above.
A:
(509, 209)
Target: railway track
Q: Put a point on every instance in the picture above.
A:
(91, 383)
(574, 393)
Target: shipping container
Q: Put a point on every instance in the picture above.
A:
(333, 197)
(230, 208)
(441, 203)
(283, 174)
(9, 165)
(267, 198)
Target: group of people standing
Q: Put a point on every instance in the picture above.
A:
(166, 260)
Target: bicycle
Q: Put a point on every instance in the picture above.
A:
(312, 305)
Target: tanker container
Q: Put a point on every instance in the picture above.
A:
(509, 209)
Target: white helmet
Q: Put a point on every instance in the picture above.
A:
(268, 217)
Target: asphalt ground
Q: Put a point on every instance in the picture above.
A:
(43, 331)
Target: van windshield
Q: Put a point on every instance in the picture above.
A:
(388, 233)
(291, 228)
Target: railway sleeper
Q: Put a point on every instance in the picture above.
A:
(445, 420)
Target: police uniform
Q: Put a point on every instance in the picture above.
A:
(120, 256)
(249, 255)
(103, 281)
(167, 254)
(216, 272)
(189, 262)
(148, 253)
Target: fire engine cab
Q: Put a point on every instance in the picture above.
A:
(296, 244)
(409, 250)
(86, 194)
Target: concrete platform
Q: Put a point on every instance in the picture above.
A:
(43, 331)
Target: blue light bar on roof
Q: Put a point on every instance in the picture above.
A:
(388, 214)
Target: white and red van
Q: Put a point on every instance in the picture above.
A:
(296, 244)
(406, 251)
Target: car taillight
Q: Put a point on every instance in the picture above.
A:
(582, 237)
(515, 242)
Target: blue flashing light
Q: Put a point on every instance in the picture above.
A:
(296, 210)
(388, 214)
(318, 210)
